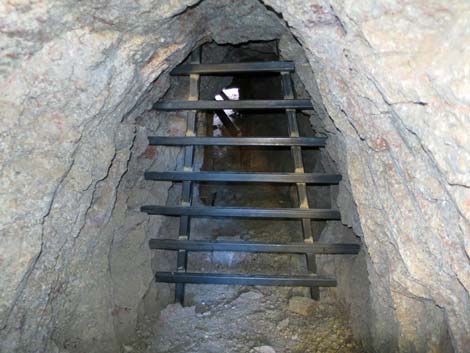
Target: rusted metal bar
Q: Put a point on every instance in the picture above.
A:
(299, 168)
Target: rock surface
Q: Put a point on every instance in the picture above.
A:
(248, 323)
(264, 349)
(76, 79)
(398, 122)
(75, 76)
(302, 305)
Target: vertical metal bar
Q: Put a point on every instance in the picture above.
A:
(186, 195)
(299, 168)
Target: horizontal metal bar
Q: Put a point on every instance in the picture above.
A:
(234, 68)
(289, 248)
(244, 279)
(245, 212)
(309, 178)
(234, 104)
(238, 141)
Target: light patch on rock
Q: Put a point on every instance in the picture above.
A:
(302, 305)
(264, 349)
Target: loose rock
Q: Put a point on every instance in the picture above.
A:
(264, 349)
(302, 305)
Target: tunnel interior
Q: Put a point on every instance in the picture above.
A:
(79, 81)
(252, 324)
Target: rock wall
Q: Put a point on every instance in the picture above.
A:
(391, 77)
(77, 78)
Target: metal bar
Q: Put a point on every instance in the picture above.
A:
(186, 194)
(299, 168)
(310, 178)
(228, 123)
(244, 212)
(244, 279)
(239, 104)
(224, 96)
(289, 248)
(225, 119)
(233, 68)
(237, 141)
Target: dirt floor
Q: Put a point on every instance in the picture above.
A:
(255, 321)
(238, 319)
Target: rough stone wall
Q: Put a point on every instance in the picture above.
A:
(75, 75)
(353, 291)
(68, 222)
(392, 77)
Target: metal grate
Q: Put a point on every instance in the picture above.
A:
(298, 177)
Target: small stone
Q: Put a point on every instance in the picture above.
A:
(202, 308)
(302, 305)
(250, 296)
(264, 349)
(127, 349)
(283, 324)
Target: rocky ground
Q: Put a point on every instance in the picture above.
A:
(257, 320)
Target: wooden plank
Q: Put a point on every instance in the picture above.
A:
(234, 68)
